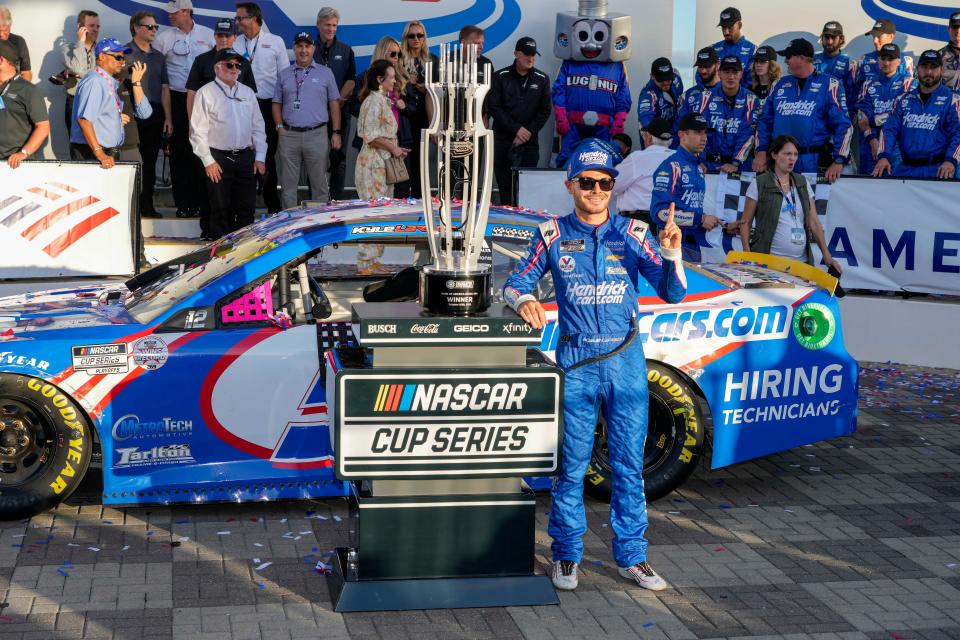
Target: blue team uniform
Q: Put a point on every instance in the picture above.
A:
(595, 273)
(869, 68)
(814, 115)
(743, 49)
(679, 180)
(843, 69)
(654, 102)
(694, 100)
(875, 103)
(927, 134)
(592, 94)
(731, 119)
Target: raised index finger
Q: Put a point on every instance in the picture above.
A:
(670, 217)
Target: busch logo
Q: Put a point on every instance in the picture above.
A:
(382, 328)
(802, 108)
(425, 328)
(604, 293)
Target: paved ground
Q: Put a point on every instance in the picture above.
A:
(857, 538)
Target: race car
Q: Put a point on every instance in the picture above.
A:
(202, 379)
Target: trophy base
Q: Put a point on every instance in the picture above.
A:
(454, 293)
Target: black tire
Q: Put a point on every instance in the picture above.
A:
(45, 446)
(675, 438)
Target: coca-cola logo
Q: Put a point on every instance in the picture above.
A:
(459, 284)
(425, 328)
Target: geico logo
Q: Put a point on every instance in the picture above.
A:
(732, 322)
(777, 383)
(382, 328)
(450, 439)
(471, 328)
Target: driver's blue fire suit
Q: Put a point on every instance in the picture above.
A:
(595, 273)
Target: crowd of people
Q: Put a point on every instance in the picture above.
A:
(192, 90)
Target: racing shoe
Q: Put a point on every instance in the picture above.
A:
(644, 576)
(564, 575)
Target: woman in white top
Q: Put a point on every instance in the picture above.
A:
(781, 203)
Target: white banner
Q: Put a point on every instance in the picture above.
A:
(63, 219)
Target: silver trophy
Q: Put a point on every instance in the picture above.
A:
(457, 283)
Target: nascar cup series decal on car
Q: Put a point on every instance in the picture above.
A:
(100, 359)
(814, 326)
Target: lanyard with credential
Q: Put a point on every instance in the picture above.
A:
(113, 86)
(246, 46)
(7, 86)
(300, 80)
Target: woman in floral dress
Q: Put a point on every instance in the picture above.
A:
(377, 127)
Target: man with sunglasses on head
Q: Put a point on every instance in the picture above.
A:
(180, 46)
(227, 133)
(156, 86)
(596, 260)
(338, 56)
(97, 110)
(267, 54)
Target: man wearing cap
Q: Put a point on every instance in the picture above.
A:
(951, 54)
(339, 57)
(695, 98)
(660, 97)
(596, 261)
(180, 46)
(156, 88)
(267, 54)
(227, 133)
(24, 124)
(925, 124)
(97, 110)
(733, 43)
(634, 185)
(679, 184)
(764, 73)
(202, 72)
(883, 32)
(874, 106)
(708, 68)
(833, 62)
(730, 110)
(809, 106)
(305, 103)
(520, 104)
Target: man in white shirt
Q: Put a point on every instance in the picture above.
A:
(635, 183)
(267, 54)
(228, 135)
(180, 46)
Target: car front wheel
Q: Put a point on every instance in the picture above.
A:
(45, 446)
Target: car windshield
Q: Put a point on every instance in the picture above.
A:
(173, 281)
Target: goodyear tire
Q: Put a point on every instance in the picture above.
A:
(45, 446)
(675, 438)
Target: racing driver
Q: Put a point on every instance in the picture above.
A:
(595, 260)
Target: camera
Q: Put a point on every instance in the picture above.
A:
(63, 80)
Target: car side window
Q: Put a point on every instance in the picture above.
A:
(506, 255)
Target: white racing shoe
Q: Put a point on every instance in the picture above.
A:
(643, 575)
(564, 575)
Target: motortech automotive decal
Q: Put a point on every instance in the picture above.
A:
(499, 19)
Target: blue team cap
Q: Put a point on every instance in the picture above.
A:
(592, 154)
(111, 45)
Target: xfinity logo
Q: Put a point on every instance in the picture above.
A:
(471, 328)
(432, 328)
(500, 396)
(381, 328)
(516, 327)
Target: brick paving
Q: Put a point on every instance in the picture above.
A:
(857, 538)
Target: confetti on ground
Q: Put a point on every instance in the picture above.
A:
(261, 585)
(125, 547)
(674, 513)
(94, 548)
(648, 625)
(223, 533)
(719, 549)
(724, 506)
(338, 518)
(323, 567)
(263, 566)
(257, 544)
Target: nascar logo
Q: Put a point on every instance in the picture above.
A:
(501, 396)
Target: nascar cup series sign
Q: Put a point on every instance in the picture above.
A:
(433, 424)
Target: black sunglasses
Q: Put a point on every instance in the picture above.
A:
(118, 57)
(416, 36)
(152, 27)
(393, 54)
(231, 65)
(587, 184)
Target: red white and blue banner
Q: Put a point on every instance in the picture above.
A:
(63, 219)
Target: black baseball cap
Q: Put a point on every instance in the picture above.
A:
(889, 50)
(798, 47)
(832, 28)
(880, 27)
(303, 36)
(931, 57)
(527, 46)
(661, 69)
(659, 128)
(693, 121)
(9, 51)
(707, 57)
(731, 62)
(765, 52)
(955, 19)
(225, 26)
(227, 54)
(729, 16)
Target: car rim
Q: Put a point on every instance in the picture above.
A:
(661, 435)
(25, 443)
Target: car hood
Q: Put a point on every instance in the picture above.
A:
(92, 306)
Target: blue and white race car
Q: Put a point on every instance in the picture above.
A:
(201, 380)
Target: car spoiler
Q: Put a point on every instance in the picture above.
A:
(785, 265)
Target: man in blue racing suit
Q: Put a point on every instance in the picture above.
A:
(874, 105)
(833, 62)
(595, 260)
(660, 97)
(925, 124)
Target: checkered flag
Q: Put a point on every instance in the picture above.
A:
(330, 334)
(732, 193)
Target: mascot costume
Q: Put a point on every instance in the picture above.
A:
(591, 96)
